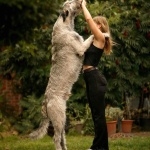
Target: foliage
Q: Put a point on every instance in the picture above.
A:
(88, 128)
(127, 68)
(133, 65)
(27, 57)
(30, 62)
(113, 113)
(25, 50)
(143, 111)
(30, 116)
(78, 110)
(5, 125)
(4, 121)
(144, 107)
(20, 17)
(77, 102)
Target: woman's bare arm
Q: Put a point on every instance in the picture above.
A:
(99, 38)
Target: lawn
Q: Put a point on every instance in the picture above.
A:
(74, 142)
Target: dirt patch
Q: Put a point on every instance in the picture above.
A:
(127, 135)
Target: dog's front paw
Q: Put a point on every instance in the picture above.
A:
(90, 39)
(92, 36)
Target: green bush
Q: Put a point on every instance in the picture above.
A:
(30, 117)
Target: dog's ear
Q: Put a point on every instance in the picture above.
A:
(65, 14)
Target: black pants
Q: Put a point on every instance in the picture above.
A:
(96, 88)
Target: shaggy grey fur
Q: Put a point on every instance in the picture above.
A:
(68, 48)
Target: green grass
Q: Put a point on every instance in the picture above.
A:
(74, 142)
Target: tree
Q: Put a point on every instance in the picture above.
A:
(131, 55)
(25, 34)
(25, 48)
(127, 68)
(20, 17)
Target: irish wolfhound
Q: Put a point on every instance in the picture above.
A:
(68, 48)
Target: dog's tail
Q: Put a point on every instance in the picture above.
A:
(41, 131)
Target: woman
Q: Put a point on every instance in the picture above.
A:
(95, 81)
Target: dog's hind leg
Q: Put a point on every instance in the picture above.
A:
(63, 140)
(59, 137)
(57, 114)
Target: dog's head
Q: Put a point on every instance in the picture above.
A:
(71, 8)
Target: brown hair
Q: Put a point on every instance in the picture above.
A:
(105, 29)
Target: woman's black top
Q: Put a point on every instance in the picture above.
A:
(92, 56)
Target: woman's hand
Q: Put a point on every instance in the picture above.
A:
(83, 3)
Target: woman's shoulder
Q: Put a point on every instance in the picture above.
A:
(99, 43)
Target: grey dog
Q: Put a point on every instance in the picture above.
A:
(68, 49)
